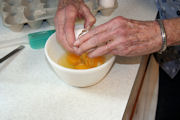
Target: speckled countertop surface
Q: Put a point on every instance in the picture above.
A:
(30, 90)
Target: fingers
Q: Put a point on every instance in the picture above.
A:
(111, 25)
(97, 30)
(64, 42)
(64, 23)
(71, 14)
(102, 50)
(59, 25)
(88, 16)
(97, 40)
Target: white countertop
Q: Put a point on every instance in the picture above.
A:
(30, 90)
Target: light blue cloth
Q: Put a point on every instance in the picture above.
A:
(170, 59)
(168, 8)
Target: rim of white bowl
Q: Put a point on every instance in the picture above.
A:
(69, 69)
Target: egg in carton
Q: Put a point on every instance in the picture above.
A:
(16, 13)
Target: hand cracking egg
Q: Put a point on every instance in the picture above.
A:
(73, 61)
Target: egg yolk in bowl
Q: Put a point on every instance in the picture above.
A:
(70, 60)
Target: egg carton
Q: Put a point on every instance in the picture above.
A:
(16, 13)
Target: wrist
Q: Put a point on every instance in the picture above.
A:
(64, 3)
(163, 36)
(171, 32)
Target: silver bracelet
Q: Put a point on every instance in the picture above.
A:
(163, 35)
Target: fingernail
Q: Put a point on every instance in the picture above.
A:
(76, 50)
(88, 27)
(90, 50)
(90, 55)
(76, 43)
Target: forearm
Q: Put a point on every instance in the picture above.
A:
(172, 28)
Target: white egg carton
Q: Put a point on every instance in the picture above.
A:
(16, 13)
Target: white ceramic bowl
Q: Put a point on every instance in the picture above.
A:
(73, 77)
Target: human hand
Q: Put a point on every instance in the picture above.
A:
(121, 36)
(68, 11)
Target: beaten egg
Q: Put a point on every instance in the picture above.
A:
(70, 60)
